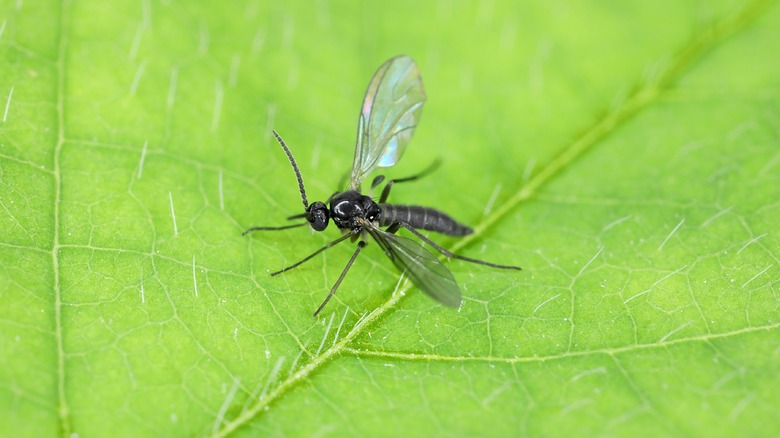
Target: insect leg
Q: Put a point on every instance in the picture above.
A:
(312, 255)
(446, 253)
(360, 246)
(253, 229)
(296, 216)
(386, 190)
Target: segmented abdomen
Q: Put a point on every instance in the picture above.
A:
(421, 218)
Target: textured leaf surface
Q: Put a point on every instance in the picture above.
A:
(625, 154)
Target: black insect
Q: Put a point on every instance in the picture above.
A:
(391, 109)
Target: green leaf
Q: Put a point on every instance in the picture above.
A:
(625, 154)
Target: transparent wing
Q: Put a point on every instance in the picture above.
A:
(425, 270)
(391, 109)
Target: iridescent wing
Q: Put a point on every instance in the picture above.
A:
(391, 109)
(425, 270)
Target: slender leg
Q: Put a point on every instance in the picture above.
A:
(360, 246)
(296, 216)
(253, 229)
(446, 253)
(312, 255)
(386, 190)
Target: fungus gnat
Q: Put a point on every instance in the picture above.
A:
(390, 112)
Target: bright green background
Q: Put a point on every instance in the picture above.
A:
(632, 150)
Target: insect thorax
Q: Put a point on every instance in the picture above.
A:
(347, 208)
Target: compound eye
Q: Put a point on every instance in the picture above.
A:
(317, 215)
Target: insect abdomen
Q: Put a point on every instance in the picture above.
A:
(423, 218)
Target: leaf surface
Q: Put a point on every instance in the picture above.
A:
(626, 155)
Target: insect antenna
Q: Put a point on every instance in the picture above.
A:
(295, 168)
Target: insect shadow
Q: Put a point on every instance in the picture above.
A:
(391, 110)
